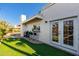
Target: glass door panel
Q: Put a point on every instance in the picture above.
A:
(68, 32)
(55, 34)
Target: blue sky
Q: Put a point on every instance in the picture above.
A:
(11, 11)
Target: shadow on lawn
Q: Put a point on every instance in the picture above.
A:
(18, 50)
(46, 50)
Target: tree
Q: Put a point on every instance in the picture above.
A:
(2, 33)
(5, 27)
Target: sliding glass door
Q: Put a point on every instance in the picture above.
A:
(64, 32)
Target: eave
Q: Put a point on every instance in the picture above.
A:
(34, 18)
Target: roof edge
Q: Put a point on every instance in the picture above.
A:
(32, 18)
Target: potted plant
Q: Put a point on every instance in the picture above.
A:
(30, 33)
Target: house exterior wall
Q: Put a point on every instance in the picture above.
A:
(59, 11)
(29, 25)
(56, 12)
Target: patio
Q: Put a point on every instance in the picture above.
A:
(22, 47)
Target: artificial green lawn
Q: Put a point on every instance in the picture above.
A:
(6, 51)
(23, 47)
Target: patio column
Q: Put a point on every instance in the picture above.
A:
(22, 31)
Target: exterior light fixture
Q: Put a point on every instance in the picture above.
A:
(45, 21)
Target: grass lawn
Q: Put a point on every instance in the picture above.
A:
(22, 47)
(6, 51)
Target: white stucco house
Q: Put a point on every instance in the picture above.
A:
(57, 25)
